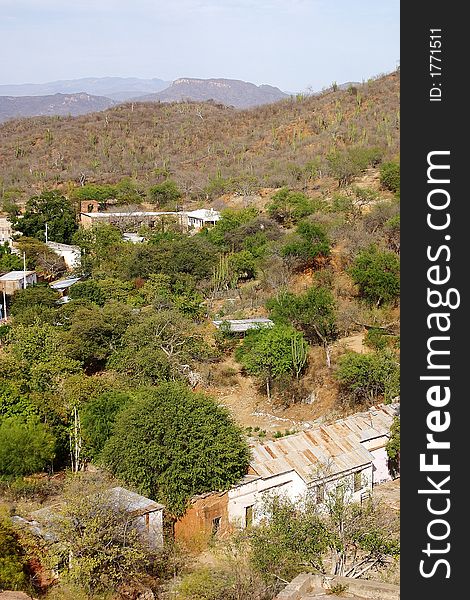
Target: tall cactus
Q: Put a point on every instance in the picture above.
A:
(299, 350)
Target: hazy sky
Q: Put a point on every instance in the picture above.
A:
(293, 44)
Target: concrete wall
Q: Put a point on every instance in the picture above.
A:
(380, 462)
(252, 494)
(151, 526)
(307, 585)
(10, 287)
(197, 523)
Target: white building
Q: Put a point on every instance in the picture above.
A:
(17, 280)
(203, 217)
(70, 254)
(147, 515)
(348, 454)
(6, 231)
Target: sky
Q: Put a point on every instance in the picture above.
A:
(297, 45)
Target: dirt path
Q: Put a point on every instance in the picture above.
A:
(251, 409)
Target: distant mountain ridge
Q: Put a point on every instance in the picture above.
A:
(55, 104)
(231, 92)
(116, 88)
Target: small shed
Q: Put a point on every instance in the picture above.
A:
(70, 254)
(241, 326)
(63, 287)
(17, 280)
(147, 514)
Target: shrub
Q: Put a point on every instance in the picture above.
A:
(390, 176)
(377, 274)
(165, 193)
(367, 377)
(25, 446)
(88, 290)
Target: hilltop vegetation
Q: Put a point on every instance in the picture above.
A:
(207, 149)
(132, 377)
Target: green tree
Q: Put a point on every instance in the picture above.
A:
(88, 290)
(100, 247)
(172, 443)
(393, 446)
(390, 176)
(367, 377)
(377, 274)
(51, 208)
(25, 446)
(41, 296)
(308, 244)
(158, 347)
(8, 260)
(271, 352)
(12, 561)
(347, 164)
(97, 420)
(288, 207)
(98, 540)
(231, 220)
(95, 333)
(295, 535)
(165, 193)
(40, 257)
(314, 312)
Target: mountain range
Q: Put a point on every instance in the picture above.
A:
(80, 96)
(116, 88)
(231, 92)
(55, 104)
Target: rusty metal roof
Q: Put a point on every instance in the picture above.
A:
(325, 450)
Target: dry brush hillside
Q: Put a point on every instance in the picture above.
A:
(198, 141)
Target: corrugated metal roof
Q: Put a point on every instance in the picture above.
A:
(63, 284)
(330, 449)
(16, 275)
(132, 502)
(245, 324)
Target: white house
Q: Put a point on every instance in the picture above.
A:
(17, 280)
(147, 515)
(203, 217)
(349, 454)
(243, 325)
(70, 254)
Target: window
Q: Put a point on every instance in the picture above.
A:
(358, 481)
(216, 525)
(249, 516)
(320, 495)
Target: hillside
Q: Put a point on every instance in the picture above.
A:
(231, 92)
(56, 104)
(116, 88)
(199, 142)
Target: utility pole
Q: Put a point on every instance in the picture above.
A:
(5, 316)
(24, 270)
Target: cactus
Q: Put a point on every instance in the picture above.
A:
(299, 354)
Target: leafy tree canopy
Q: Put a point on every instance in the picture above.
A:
(377, 274)
(165, 193)
(25, 446)
(88, 290)
(309, 243)
(313, 312)
(173, 443)
(366, 377)
(51, 208)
